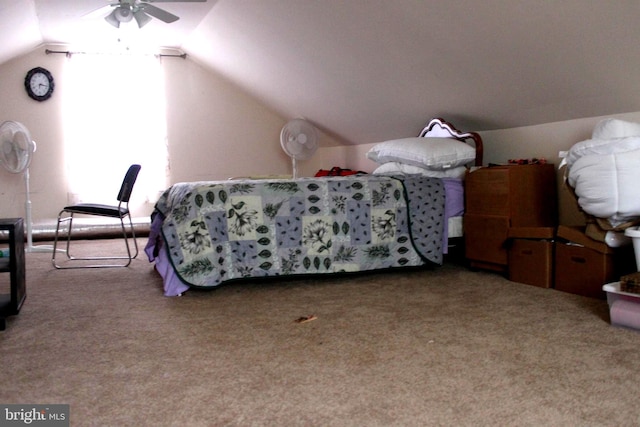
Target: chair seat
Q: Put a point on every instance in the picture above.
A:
(98, 209)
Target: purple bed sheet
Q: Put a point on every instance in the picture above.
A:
(453, 205)
(156, 253)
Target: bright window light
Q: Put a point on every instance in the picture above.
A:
(114, 116)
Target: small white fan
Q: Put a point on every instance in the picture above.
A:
(16, 147)
(16, 151)
(299, 139)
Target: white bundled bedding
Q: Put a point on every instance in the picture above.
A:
(608, 185)
(605, 172)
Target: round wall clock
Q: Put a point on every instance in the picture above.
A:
(39, 84)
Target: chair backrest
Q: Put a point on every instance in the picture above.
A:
(127, 183)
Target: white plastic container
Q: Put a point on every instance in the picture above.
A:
(624, 307)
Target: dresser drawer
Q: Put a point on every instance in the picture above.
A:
(485, 239)
(487, 192)
(501, 197)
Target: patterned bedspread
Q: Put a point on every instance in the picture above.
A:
(223, 230)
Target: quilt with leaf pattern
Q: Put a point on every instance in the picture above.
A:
(218, 231)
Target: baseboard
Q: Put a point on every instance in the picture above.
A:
(89, 228)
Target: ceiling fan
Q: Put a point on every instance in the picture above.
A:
(142, 11)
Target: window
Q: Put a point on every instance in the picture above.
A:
(114, 116)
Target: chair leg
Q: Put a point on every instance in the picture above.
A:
(126, 239)
(68, 219)
(72, 259)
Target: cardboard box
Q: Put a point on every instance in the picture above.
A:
(569, 211)
(532, 232)
(584, 265)
(579, 236)
(531, 262)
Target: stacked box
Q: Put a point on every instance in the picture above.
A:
(531, 256)
(584, 265)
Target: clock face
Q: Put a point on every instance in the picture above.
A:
(39, 84)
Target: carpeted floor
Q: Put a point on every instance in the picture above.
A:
(436, 347)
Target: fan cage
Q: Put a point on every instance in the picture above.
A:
(299, 139)
(16, 147)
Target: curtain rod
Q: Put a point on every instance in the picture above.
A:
(159, 55)
(67, 53)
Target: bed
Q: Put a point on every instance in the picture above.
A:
(204, 234)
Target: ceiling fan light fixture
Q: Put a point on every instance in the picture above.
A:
(141, 18)
(123, 13)
(112, 19)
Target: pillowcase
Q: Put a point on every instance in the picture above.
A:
(430, 153)
(615, 128)
(394, 168)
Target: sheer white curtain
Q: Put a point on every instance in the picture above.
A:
(114, 116)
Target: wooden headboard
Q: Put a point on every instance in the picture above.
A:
(440, 128)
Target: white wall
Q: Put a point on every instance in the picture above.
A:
(215, 131)
(544, 140)
(540, 141)
(44, 121)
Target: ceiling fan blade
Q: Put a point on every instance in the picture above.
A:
(174, 1)
(100, 12)
(158, 13)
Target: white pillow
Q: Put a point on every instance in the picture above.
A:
(392, 168)
(615, 128)
(430, 153)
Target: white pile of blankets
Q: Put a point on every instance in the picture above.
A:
(604, 172)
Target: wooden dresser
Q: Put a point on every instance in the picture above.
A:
(500, 198)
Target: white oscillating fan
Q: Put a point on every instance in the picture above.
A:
(16, 151)
(299, 139)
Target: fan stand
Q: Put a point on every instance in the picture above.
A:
(294, 167)
(27, 207)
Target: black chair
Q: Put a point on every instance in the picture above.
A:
(121, 211)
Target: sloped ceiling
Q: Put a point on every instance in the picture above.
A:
(370, 70)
